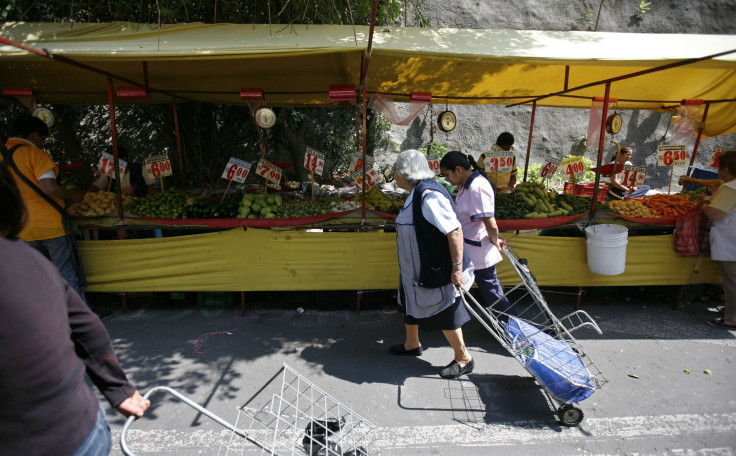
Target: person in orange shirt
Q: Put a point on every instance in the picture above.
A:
(45, 229)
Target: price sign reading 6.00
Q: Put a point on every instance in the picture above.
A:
(549, 169)
(158, 166)
(314, 161)
(434, 164)
(236, 170)
(501, 162)
(269, 171)
(672, 155)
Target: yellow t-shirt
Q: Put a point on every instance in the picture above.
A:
(497, 179)
(44, 222)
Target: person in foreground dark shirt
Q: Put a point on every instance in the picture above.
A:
(49, 339)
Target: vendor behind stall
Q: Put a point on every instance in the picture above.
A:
(618, 189)
(502, 182)
(135, 181)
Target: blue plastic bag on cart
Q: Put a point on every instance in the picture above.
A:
(552, 362)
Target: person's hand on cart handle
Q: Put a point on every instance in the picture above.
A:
(501, 243)
(457, 275)
(134, 405)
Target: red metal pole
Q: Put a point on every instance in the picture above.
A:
(601, 143)
(364, 83)
(178, 135)
(114, 134)
(697, 138)
(529, 144)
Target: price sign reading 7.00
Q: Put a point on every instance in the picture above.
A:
(633, 176)
(269, 171)
(501, 162)
(672, 155)
(158, 166)
(314, 161)
(107, 165)
(549, 169)
(717, 152)
(236, 170)
(357, 163)
(434, 164)
(573, 166)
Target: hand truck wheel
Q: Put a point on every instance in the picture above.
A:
(570, 415)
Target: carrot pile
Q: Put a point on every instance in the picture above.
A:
(668, 205)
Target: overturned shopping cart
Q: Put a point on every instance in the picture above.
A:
(542, 342)
(297, 418)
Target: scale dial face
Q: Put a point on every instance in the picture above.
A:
(44, 114)
(265, 118)
(447, 121)
(614, 123)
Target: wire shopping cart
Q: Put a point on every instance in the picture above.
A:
(541, 342)
(299, 418)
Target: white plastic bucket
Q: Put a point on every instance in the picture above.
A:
(606, 248)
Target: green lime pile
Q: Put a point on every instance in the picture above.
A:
(259, 205)
(218, 207)
(169, 204)
(306, 208)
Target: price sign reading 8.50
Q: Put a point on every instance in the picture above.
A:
(502, 161)
(672, 155)
(236, 170)
(158, 166)
(434, 164)
(314, 161)
(107, 165)
(549, 169)
(370, 178)
(633, 176)
(269, 171)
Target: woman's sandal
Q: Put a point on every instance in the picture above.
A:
(719, 323)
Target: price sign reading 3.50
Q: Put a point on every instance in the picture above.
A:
(158, 166)
(672, 155)
(269, 171)
(549, 169)
(236, 170)
(434, 164)
(107, 165)
(501, 162)
(314, 161)
(633, 176)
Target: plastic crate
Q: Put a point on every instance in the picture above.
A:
(586, 190)
(216, 299)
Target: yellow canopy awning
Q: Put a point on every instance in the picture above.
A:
(295, 64)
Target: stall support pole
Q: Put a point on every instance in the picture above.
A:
(178, 137)
(118, 199)
(697, 138)
(601, 145)
(363, 89)
(529, 143)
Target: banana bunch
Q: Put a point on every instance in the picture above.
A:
(381, 201)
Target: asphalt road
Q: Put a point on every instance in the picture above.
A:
(671, 382)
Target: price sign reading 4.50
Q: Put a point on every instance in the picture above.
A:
(314, 161)
(370, 178)
(158, 166)
(633, 176)
(357, 163)
(269, 171)
(549, 169)
(434, 164)
(501, 162)
(107, 165)
(672, 155)
(573, 166)
(717, 152)
(236, 170)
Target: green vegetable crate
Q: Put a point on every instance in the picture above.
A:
(215, 299)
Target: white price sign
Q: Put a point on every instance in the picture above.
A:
(549, 169)
(269, 171)
(672, 155)
(158, 166)
(107, 165)
(572, 166)
(717, 152)
(314, 161)
(357, 163)
(434, 164)
(633, 176)
(502, 161)
(370, 178)
(236, 170)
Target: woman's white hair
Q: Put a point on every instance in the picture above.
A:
(413, 165)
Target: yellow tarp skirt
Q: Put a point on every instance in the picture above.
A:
(266, 260)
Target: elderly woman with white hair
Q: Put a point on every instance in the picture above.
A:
(433, 265)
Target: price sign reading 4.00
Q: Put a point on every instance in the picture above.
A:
(434, 164)
(549, 169)
(269, 171)
(370, 178)
(158, 166)
(573, 166)
(717, 152)
(502, 162)
(107, 165)
(236, 170)
(672, 155)
(314, 161)
(633, 176)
